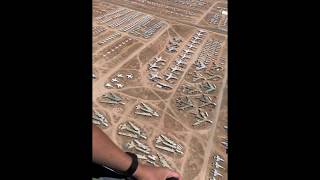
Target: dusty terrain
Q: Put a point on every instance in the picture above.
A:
(127, 37)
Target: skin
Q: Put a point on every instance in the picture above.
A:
(106, 153)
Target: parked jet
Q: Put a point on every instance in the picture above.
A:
(119, 85)
(176, 68)
(111, 99)
(190, 46)
(206, 101)
(218, 165)
(183, 56)
(216, 173)
(187, 51)
(170, 76)
(159, 59)
(194, 42)
(218, 158)
(171, 49)
(180, 62)
(174, 44)
(108, 85)
(153, 66)
(154, 76)
(146, 110)
(184, 103)
(201, 117)
(199, 65)
(163, 85)
(208, 87)
(176, 39)
(196, 38)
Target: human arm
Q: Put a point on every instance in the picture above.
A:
(106, 153)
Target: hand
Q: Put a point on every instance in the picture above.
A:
(145, 172)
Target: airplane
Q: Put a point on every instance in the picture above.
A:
(112, 99)
(176, 68)
(196, 38)
(212, 178)
(189, 89)
(147, 111)
(188, 51)
(119, 85)
(225, 127)
(225, 144)
(108, 85)
(163, 161)
(197, 76)
(171, 49)
(216, 173)
(120, 75)
(154, 76)
(201, 31)
(129, 76)
(207, 87)
(194, 42)
(176, 39)
(159, 59)
(170, 76)
(114, 80)
(201, 117)
(174, 44)
(163, 85)
(99, 119)
(94, 76)
(180, 62)
(184, 103)
(218, 165)
(206, 100)
(185, 56)
(218, 158)
(152, 66)
(199, 65)
(190, 46)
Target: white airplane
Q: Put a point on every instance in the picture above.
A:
(216, 173)
(184, 103)
(153, 65)
(171, 49)
(129, 76)
(159, 59)
(207, 87)
(120, 75)
(174, 44)
(194, 42)
(185, 56)
(180, 62)
(114, 80)
(176, 39)
(170, 76)
(218, 165)
(196, 38)
(119, 85)
(199, 65)
(94, 76)
(218, 158)
(147, 111)
(201, 31)
(188, 51)
(163, 85)
(206, 101)
(108, 85)
(201, 117)
(176, 68)
(112, 99)
(154, 76)
(190, 46)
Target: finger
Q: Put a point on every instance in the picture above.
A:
(174, 174)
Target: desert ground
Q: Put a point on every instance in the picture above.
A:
(160, 82)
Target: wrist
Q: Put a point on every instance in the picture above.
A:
(139, 172)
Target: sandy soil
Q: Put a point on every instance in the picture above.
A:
(199, 143)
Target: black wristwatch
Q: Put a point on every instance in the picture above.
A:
(134, 165)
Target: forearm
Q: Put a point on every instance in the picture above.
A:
(106, 153)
